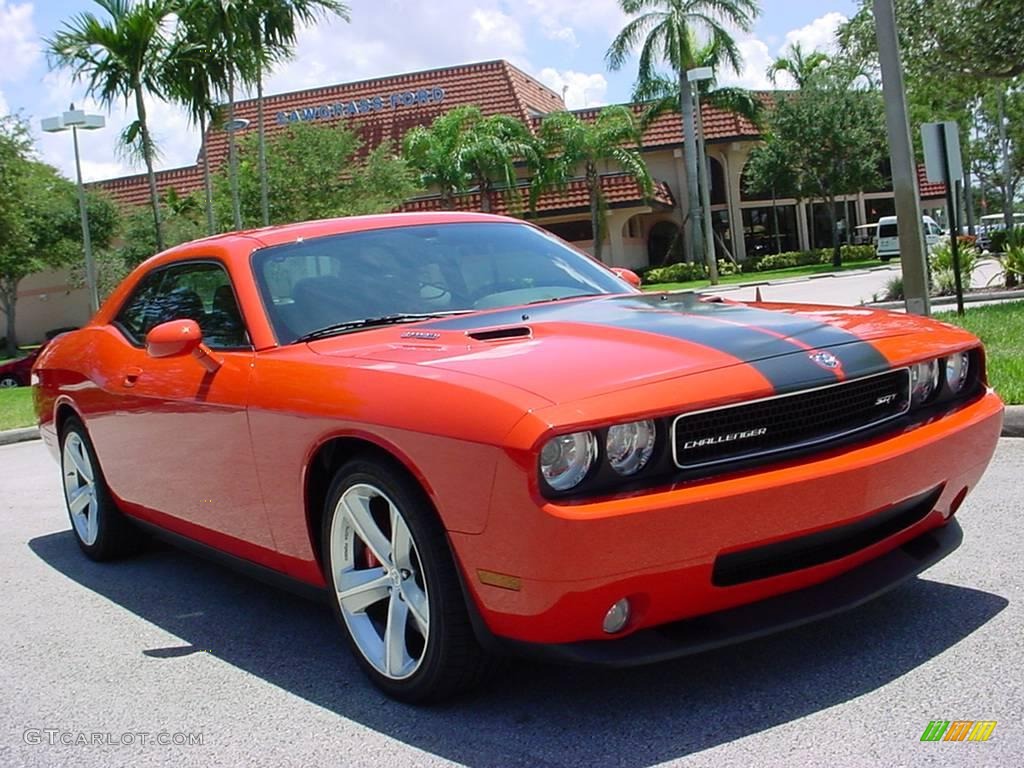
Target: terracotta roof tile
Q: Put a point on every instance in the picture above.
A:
(619, 190)
(929, 190)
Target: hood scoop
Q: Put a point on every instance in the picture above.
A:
(502, 334)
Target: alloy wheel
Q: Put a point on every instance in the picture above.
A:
(379, 581)
(80, 488)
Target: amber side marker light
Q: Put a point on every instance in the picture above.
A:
(500, 580)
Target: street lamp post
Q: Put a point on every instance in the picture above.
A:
(695, 76)
(75, 119)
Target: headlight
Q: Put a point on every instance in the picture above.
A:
(958, 367)
(629, 446)
(566, 459)
(924, 381)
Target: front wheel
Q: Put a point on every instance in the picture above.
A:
(9, 382)
(396, 590)
(102, 532)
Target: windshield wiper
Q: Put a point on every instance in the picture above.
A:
(375, 322)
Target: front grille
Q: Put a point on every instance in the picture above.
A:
(788, 422)
(823, 547)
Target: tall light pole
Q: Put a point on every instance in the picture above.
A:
(73, 120)
(904, 168)
(695, 76)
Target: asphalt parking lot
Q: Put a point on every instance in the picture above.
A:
(170, 644)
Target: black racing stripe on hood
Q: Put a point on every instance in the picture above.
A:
(767, 340)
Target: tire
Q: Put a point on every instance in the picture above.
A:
(101, 530)
(9, 382)
(436, 655)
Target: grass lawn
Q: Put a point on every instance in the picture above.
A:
(1001, 329)
(775, 274)
(16, 408)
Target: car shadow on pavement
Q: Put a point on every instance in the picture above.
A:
(537, 715)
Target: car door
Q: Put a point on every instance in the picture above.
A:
(176, 440)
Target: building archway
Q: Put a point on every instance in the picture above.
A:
(664, 243)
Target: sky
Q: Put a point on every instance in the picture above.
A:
(560, 42)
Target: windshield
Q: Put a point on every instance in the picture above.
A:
(419, 270)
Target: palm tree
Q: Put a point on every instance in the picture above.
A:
(193, 78)
(569, 142)
(433, 152)
(488, 151)
(121, 58)
(665, 31)
(270, 30)
(798, 64)
(462, 148)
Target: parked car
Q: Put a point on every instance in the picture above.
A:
(474, 439)
(16, 373)
(887, 241)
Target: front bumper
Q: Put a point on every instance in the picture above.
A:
(754, 620)
(564, 565)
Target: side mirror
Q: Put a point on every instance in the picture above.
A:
(175, 337)
(181, 337)
(628, 275)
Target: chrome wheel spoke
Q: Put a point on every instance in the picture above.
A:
(396, 656)
(358, 590)
(92, 524)
(79, 499)
(356, 503)
(416, 599)
(81, 461)
(401, 542)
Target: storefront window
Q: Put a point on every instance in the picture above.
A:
(821, 227)
(770, 230)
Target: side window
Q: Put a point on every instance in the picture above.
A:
(199, 291)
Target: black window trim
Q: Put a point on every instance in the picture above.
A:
(130, 338)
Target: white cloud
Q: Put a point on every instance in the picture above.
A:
(18, 40)
(756, 60)
(4, 109)
(580, 89)
(559, 18)
(819, 35)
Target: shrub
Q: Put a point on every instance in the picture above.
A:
(1001, 237)
(941, 260)
(729, 268)
(1013, 265)
(855, 253)
(894, 289)
(679, 272)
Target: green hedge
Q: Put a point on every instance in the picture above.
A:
(1000, 236)
(791, 259)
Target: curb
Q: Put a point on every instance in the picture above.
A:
(1013, 421)
(10, 436)
(942, 301)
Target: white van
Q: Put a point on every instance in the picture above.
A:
(887, 241)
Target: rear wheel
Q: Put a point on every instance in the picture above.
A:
(102, 532)
(396, 590)
(8, 382)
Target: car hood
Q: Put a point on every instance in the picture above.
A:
(581, 348)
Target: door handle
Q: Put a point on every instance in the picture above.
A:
(131, 375)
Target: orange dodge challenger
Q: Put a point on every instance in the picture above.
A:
(473, 439)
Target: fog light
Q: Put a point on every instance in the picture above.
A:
(616, 617)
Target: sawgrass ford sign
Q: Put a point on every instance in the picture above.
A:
(365, 106)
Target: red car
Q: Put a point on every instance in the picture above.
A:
(474, 439)
(17, 373)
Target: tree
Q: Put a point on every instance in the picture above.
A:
(270, 30)
(122, 58)
(665, 32)
(997, 146)
(462, 148)
(183, 221)
(195, 74)
(831, 135)
(569, 142)
(363, 182)
(768, 170)
(798, 64)
(40, 226)
(950, 39)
